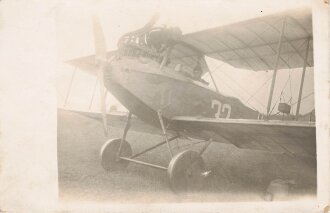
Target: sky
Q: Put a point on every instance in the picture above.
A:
(74, 39)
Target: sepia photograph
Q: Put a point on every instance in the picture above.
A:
(161, 102)
(181, 113)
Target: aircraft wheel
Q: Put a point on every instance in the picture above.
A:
(185, 172)
(109, 151)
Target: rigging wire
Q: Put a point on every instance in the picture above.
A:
(290, 87)
(253, 40)
(258, 101)
(288, 79)
(93, 94)
(217, 67)
(247, 102)
(281, 94)
(259, 88)
(306, 96)
(233, 80)
(235, 92)
(252, 96)
(70, 87)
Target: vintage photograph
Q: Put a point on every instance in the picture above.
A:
(202, 106)
(180, 102)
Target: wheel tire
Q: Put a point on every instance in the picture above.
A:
(185, 172)
(109, 151)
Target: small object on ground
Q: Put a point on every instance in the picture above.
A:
(278, 189)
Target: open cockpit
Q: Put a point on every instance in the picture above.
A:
(165, 48)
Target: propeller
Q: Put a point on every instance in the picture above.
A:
(101, 62)
(152, 21)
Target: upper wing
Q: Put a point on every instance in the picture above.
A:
(276, 136)
(252, 44)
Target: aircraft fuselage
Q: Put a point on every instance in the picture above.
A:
(143, 88)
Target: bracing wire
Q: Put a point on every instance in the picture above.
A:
(290, 88)
(93, 94)
(306, 96)
(281, 95)
(287, 80)
(251, 96)
(231, 87)
(259, 101)
(70, 87)
(236, 92)
(259, 89)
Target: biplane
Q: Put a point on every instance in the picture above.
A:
(156, 73)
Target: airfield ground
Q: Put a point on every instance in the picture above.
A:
(237, 175)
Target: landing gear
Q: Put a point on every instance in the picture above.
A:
(113, 149)
(186, 170)
(109, 157)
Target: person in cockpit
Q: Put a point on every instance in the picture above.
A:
(197, 74)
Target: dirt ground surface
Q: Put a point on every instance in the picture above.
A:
(237, 174)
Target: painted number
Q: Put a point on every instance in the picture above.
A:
(221, 109)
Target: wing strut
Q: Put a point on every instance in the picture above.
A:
(205, 67)
(70, 87)
(302, 79)
(94, 89)
(215, 85)
(102, 100)
(279, 47)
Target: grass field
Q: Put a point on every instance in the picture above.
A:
(237, 175)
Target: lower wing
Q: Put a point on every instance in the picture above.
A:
(292, 137)
(113, 120)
